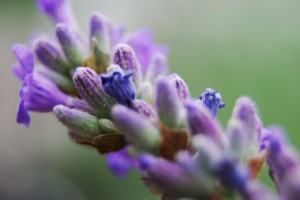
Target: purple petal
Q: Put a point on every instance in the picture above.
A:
(22, 114)
(120, 163)
(59, 11)
(26, 60)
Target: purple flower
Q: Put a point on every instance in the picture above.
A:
(158, 66)
(59, 11)
(38, 94)
(212, 100)
(119, 87)
(281, 158)
(143, 44)
(26, 61)
(120, 163)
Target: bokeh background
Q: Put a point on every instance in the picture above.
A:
(249, 47)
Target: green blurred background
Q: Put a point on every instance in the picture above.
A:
(249, 47)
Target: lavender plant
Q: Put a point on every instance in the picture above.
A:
(114, 93)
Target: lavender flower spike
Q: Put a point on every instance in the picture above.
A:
(125, 57)
(38, 94)
(90, 88)
(170, 108)
(26, 61)
(71, 46)
(212, 100)
(200, 121)
(181, 87)
(136, 128)
(119, 87)
(59, 11)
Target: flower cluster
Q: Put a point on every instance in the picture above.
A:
(113, 92)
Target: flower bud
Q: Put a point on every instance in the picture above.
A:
(125, 57)
(107, 126)
(181, 87)
(158, 67)
(146, 92)
(81, 122)
(99, 30)
(70, 45)
(143, 108)
(137, 129)
(63, 82)
(212, 100)
(200, 121)
(89, 86)
(170, 109)
(119, 87)
(51, 57)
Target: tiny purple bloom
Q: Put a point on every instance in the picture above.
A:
(26, 61)
(120, 163)
(212, 100)
(119, 87)
(38, 94)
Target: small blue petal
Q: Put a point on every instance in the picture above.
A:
(119, 87)
(212, 100)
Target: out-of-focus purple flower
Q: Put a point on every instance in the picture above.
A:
(181, 87)
(230, 175)
(143, 108)
(99, 30)
(71, 46)
(256, 191)
(212, 100)
(119, 87)
(281, 158)
(158, 66)
(137, 129)
(50, 56)
(289, 188)
(169, 106)
(173, 179)
(125, 57)
(200, 121)
(25, 58)
(120, 163)
(143, 44)
(59, 11)
(38, 94)
(90, 88)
